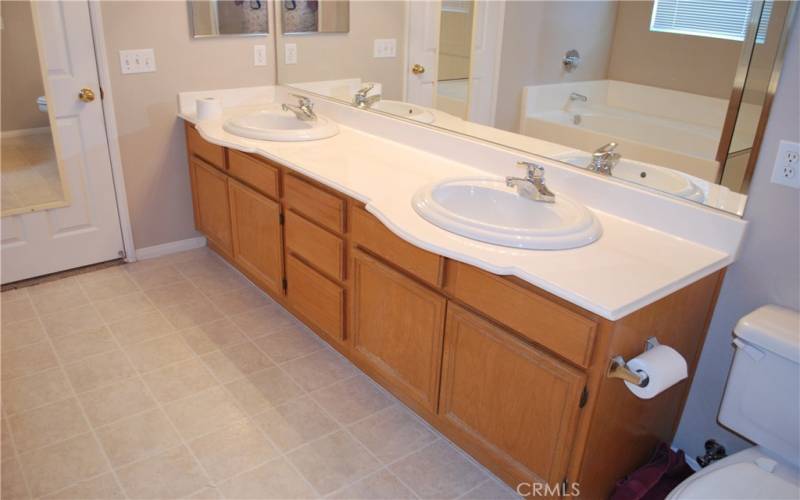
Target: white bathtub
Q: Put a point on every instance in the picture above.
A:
(663, 127)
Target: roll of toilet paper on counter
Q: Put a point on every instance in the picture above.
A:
(209, 107)
(663, 365)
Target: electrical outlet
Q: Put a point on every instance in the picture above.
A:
(290, 53)
(787, 165)
(259, 55)
(137, 61)
(384, 47)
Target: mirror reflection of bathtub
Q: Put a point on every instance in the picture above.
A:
(654, 125)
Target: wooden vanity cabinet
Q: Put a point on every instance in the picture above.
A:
(397, 330)
(509, 372)
(212, 209)
(501, 394)
(257, 236)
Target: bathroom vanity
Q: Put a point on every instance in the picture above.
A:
(510, 367)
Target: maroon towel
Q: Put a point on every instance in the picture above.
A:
(654, 480)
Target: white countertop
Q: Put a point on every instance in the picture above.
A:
(631, 266)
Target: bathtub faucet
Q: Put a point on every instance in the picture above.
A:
(604, 159)
(574, 96)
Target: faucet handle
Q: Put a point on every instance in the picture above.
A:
(364, 90)
(534, 171)
(303, 100)
(606, 148)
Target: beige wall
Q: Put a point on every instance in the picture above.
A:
(695, 64)
(150, 135)
(536, 35)
(20, 75)
(765, 273)
(332, 56)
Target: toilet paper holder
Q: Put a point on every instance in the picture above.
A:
(618, 367)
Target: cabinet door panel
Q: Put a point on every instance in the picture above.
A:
(211, 198)
(257, 235)
(397, 329)
(509, 398)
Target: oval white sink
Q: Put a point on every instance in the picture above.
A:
(404, 110)
(487, 210)
(647, 175)
(274, 125)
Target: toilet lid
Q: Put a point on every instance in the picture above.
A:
(743, 480)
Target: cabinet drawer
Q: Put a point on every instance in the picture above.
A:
(319, 300)
(321, 206)
(370, 233)
(256, 173)
(213, 154)
(535, 317)
(322, 249)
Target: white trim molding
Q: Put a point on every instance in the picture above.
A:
(171, 247)
(104, 74)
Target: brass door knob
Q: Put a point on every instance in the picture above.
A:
(418, 69)
(86, 95)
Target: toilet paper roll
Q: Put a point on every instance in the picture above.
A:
(208, 107)
(663, 365)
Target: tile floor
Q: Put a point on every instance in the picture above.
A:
(176, 378)
(30, 175)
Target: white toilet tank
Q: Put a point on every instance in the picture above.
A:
(762, 397)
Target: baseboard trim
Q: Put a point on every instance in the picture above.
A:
(22, 132)
(171, 247)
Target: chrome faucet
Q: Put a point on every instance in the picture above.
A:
(532, 186)
(361, 100)
(304, 110)
(574, 96)
(604, 159)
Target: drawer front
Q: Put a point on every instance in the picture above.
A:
(319, 300)
(256, 173)
(535, 317)
(213, 154)
(323, 250)
(316, 204)
(368, 232)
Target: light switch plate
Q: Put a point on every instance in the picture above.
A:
(137, 61)
(259, 55)
(384, 47)
(787, 165)
(290, 53)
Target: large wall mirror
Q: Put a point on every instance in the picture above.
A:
(228, 17)
(668, 94)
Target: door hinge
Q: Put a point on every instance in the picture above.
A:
(584, 397)
(281, 219)
(285, 285)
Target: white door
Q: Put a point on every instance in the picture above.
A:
(423, 51)
(487, 42)
(87, 229)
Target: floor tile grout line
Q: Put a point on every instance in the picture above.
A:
(17, 454)
(97, 441)
(259, 428)
(161, 408)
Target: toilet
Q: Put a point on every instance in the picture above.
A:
(761, 403)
